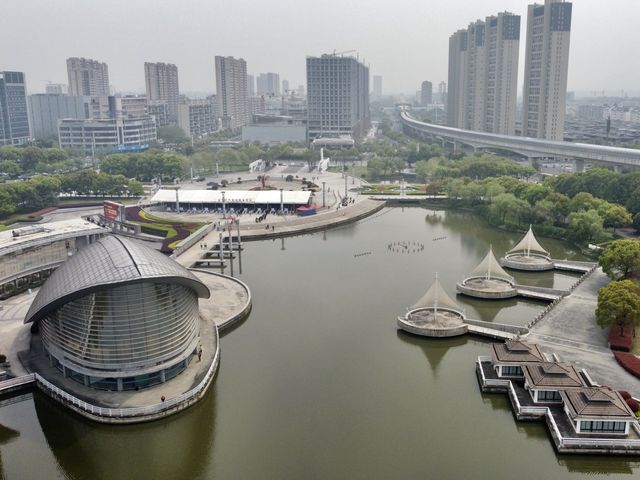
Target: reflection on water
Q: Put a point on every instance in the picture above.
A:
(178, 447)
(316, 383)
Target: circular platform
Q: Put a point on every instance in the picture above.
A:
(527, 262)
(429, 323)
(494, 288)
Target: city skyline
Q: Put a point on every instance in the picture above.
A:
(417, 29)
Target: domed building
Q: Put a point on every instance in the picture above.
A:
(119, 316)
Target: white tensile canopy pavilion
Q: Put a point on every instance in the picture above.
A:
(529, 246)
(436, 314)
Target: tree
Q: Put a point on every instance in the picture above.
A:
(172, 134)
(616, 216)
(619, 304)
(621, 258)
(7, 206)
(375, 167)
(586, 226)
(31, 156)
(10, 167)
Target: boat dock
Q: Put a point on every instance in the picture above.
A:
(17, 384)
(573, 266)
(540, 293)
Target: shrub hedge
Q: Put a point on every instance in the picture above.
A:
(629, 362)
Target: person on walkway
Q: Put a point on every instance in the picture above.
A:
(162, 398)
(200, 354)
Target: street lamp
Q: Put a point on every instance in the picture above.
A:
(323, 202)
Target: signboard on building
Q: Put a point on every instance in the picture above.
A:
(114, 211)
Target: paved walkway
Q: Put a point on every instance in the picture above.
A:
(570, 330)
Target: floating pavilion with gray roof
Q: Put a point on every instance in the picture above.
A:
(528, 255)
(488, 280)
(436, 314)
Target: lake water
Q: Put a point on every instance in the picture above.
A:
(318, 384)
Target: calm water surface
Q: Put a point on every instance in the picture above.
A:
(318, 384)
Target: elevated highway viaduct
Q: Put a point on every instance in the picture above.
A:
(531, 148)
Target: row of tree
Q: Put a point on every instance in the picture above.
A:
(44, 191)
(144, 166)
(622, 188)
(619, 301)
(512, 203)
(16, 161)
(472, 166)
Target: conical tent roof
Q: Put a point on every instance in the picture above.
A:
(529, 244)
(490, 268)
(436, 296)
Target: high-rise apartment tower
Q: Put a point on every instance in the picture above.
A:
(483, 75)
(546, 69)
(231, 85)
(87, 77)
(161, 81)
(426, 93)
(337, 96)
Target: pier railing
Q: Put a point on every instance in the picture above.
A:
(542, 411)
(553, 304)
(183, 400)
(490, 382)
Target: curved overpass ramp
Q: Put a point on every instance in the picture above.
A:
(529, 147)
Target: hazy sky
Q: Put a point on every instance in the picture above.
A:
(405, 41)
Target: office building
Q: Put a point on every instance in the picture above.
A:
(46, 109)
(268, 84)
(59, 88)
(14, 118)
(546, 69)
(483, 68)
(161, 82)
(93, 135)
(337, 97)
(198, 117)
(285, 87)
(377, 87)
(231, 85)
(426, 93)
(87, 77)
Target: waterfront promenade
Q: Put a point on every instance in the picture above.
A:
(570, 330)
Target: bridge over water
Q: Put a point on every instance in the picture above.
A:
(530, 148)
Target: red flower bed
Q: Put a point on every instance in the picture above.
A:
(620, 342)
(629, 362)
(633, 404)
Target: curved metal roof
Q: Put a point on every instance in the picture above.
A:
(111, 261)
